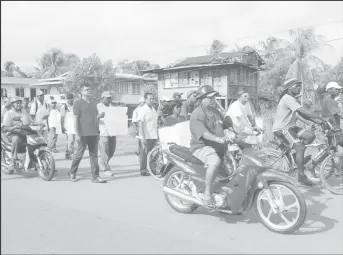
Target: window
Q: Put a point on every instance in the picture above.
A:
(183, 79)
(136, 88)
(205, 78)
(174, 80)
(3, 92)
(122, 87)
(194, 80)
(217, 79)
(19, 92)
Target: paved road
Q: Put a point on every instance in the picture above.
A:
(130, 215)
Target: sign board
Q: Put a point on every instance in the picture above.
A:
(116, 120)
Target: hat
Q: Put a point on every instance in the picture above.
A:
(177, 94)
(241, 92)
(290, 82)
(333, 85)
(191, 92)
(40, 93)
(70, 96)
(15, 99)
(165, 98)
(141, 100)
(106, 94)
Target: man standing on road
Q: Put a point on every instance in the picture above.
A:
(70, 133)
(39, 113)
(107, 143)
(147, 130)
(188, 106)
(87, 134)
(135, 124)
(54, 126)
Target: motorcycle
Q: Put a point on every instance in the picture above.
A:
(36, 158)
(243, 181)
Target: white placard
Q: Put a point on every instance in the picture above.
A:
(179, 134)
(69, 123)
(54, 121)
(116, 120)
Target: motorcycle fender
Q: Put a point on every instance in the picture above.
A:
(275, 176)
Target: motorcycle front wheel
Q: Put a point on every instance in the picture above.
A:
(290, 204)
(47, 171)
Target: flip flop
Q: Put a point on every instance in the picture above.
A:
(210, 204)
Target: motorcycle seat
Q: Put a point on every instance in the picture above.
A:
(185, 154)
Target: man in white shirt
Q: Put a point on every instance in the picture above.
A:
(54, 126)
(135, 115)
(67, 125)
(39, 113)
(147, 130)
(243, 118)
(107, 143)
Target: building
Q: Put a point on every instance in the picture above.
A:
(227, 73)
(15, 86)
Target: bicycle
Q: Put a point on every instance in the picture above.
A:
(324, 164)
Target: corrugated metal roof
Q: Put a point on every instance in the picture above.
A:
(205, 59)
(17, 80)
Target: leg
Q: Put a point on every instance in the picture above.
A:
(306, 136)
(93, 142)
(15, 142)
(67, 153)
(104, 153)
(209, 156)
(78, 155)
(72, 143)
(53, 139)
(112, 147)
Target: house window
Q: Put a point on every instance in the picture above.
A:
(183, 79)
(122, 87)
(3, 92)
(217, 79)
(194, 80)
(19, 92)
(136, 88)
(205, 78)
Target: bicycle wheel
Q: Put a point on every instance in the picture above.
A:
(274, 159)
(155, 162)
(331, 174)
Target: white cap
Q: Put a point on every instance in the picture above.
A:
(141, 100)
(164, 98)
(333, 85)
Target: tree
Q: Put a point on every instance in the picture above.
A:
(134, 67)
(55, 63)
(11, 70)
(216, 47)
(100, 76)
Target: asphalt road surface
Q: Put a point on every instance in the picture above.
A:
(130, 215)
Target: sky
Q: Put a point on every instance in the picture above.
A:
(160, 32)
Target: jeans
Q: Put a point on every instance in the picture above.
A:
(70, 144)
(107, 147)
(18, 145)
(52, 138)
(92, 143)
(143, 152)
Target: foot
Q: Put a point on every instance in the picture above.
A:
(98, 180)
(68, 157)
(72, 177)
(145, 173)
(108, 173)
(209, 202)
(305, 180)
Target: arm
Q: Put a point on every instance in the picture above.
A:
(309, 115)
(77, 125)
(7, 124)
(63, 113)
(184, 111)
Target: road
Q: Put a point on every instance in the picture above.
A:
(130, 215)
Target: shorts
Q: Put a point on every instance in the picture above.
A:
(207, 154)
(290, 136)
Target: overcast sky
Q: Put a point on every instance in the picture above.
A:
(160, 32)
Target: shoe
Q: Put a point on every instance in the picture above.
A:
(305, 180)
(108, 173)
(98, 180)
(72, 177)
(145, 173)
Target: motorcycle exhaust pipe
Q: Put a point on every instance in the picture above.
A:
(181, 196)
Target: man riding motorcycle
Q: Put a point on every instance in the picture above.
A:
(14, 119)
(208, 138)
(285, 127)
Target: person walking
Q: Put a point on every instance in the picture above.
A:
(87, 134)
(107, 143)
(147, 130)
(67, 125)
(188, 106)
(54, 126)
(135, 124)
(39, 113)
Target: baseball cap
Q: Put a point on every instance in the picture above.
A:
(15, 99)
(53, 101)
(333, 85)
(106, 94)
(141, 100)
(177, 94)
(40, 93)
(191, 92)
(70, 96)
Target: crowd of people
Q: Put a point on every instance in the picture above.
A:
(207, 126)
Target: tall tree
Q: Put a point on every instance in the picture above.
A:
(12, 70)
(216, 47)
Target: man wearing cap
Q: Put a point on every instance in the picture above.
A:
(54, 122)
(135, 118)
(107, 143)
(39, 113)
(68, 128)
(285, 127)
(188, 106)
(177, 96)
(11, 124)
(242, 116)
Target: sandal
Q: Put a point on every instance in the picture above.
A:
(210, 204)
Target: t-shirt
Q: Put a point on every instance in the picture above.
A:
(201, 122)
(330, 110)
(148, 117)
(238, 109)
(88, 121)
(102, 125)
(170, 120)
(285, 116)
(9, 116)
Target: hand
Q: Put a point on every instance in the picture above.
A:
(45, 117)
(222, 140)
(77, 138)
(101, 115)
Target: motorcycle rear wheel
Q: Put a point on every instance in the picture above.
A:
(155, 162)
(48, 163)
(300, 203)
(177, 204)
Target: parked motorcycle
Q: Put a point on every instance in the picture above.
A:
(243, 181)
(37, 157)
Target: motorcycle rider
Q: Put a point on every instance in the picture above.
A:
(12, 126)
(207, 141)
(285, 128)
